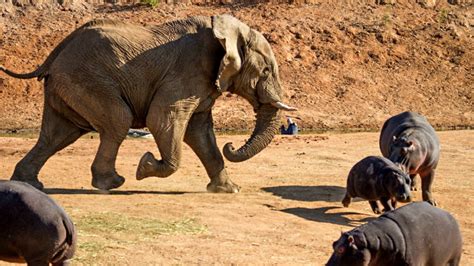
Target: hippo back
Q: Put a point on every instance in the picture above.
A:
(397, 124)
(432, 235)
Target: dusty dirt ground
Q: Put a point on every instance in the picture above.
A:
(288, 211)
(345, 64)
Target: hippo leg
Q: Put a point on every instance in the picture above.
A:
(387, 204)
(413, 183)
(346, 200)
(374, 206)
(62, 263)
(455, 261)
(426, 181)
(394, 202)
(37, 262)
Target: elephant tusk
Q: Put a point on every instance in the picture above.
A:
(283, 106)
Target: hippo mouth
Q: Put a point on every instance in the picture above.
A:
(404, 198)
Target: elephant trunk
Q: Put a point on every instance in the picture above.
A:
(266, 127)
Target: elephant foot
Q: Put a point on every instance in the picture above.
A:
(147, 166)
(34, 182)
(107, 182)
(227, 187)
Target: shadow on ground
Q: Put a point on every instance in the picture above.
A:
(308, 193)
(321, 215)
(67, 191)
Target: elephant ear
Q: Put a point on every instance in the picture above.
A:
(231, 33)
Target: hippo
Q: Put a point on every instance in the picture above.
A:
(415, 234)
(377, 178)
(409, 141)
(33, 228)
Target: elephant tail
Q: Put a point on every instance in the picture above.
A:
(42, 71)
(37, 73)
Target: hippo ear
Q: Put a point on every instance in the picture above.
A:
(350, 239)
(351, 242)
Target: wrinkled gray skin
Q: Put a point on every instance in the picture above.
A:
(409, 141)
(33, 228)
(109, 76)
(415, 234)
(377, 178)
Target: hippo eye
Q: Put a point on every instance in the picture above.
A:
(403, 151)
(341, 250)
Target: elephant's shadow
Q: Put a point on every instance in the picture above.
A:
(321, 215)
(67, 191)
(308, 193)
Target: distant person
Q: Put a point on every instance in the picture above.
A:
(292, 128)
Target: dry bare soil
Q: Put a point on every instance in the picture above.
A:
(288, 211)
(345, 64)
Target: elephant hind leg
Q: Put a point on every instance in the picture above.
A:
(112, 130)
(56, 133)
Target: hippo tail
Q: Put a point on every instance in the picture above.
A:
(67, 248)
(71, 232)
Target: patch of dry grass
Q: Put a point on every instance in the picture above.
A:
(108, 230)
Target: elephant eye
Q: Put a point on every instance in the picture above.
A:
(266, 71)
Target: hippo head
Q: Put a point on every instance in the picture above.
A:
(350, 249)
(398, 184)
(403, 152)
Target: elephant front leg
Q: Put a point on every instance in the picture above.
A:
(200, 137)
(167, 124)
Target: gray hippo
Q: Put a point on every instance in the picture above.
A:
(377, 178)
(33, 228)
(415, 234)
(409, 141)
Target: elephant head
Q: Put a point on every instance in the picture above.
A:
(249, 69)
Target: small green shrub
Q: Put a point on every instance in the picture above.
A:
(152, 3)
(443, 16)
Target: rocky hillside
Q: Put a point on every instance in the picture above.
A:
(345, 64)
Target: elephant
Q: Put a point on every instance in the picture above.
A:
(109, 76)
